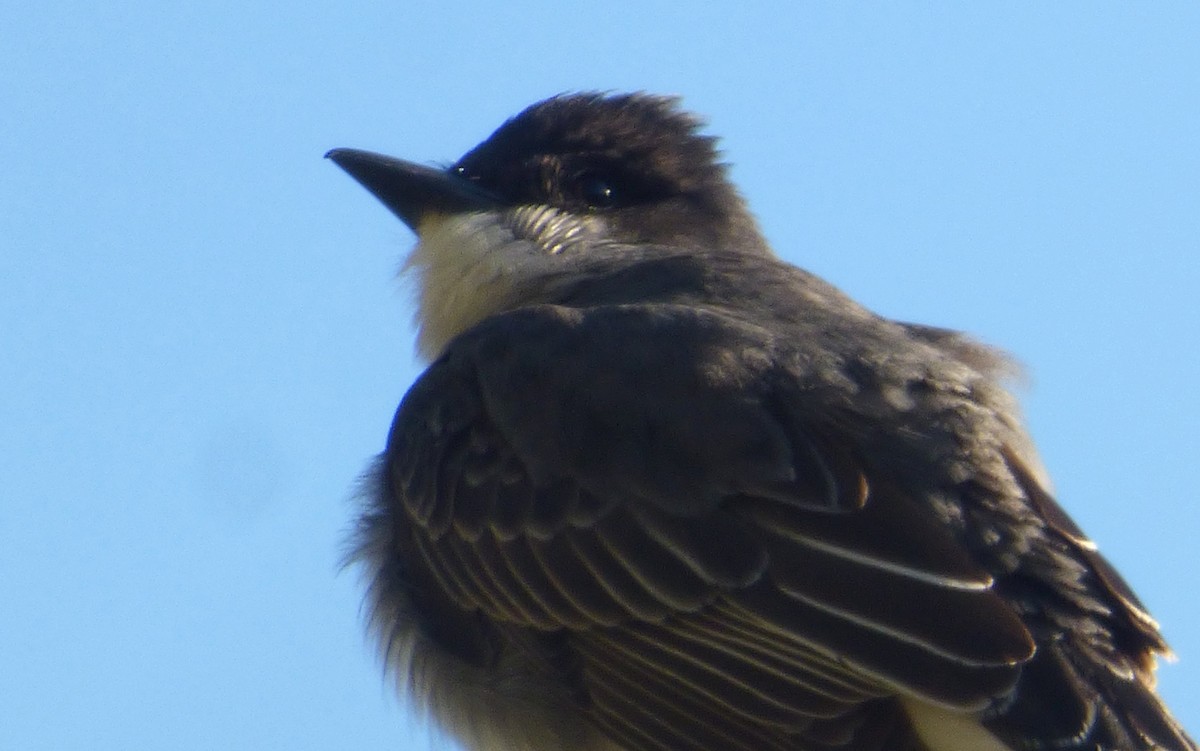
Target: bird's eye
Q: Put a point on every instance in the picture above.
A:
(597, 190)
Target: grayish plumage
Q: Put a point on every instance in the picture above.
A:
(660, 491)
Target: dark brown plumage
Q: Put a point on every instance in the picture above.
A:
(660, 490)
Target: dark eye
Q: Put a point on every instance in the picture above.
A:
(597, 190)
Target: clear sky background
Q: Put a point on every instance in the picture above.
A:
(202, 341)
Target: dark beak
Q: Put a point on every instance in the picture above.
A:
(411, 190)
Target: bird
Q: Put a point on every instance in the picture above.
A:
(660, 490)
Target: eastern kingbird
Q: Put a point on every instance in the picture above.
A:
(660, 491)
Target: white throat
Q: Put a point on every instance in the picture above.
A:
(468, 267)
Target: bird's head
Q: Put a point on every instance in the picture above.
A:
(573, 187)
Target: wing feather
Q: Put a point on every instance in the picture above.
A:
(617, 580)
(513, 584)
(719, 549)
(572, 579)
(945, 620)
(810, 670)
(444, 567)
(653, 697)
(894, 662)
(529, 568)
(652, 564)
(893, 534)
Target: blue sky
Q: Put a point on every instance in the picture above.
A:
(203, 340)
